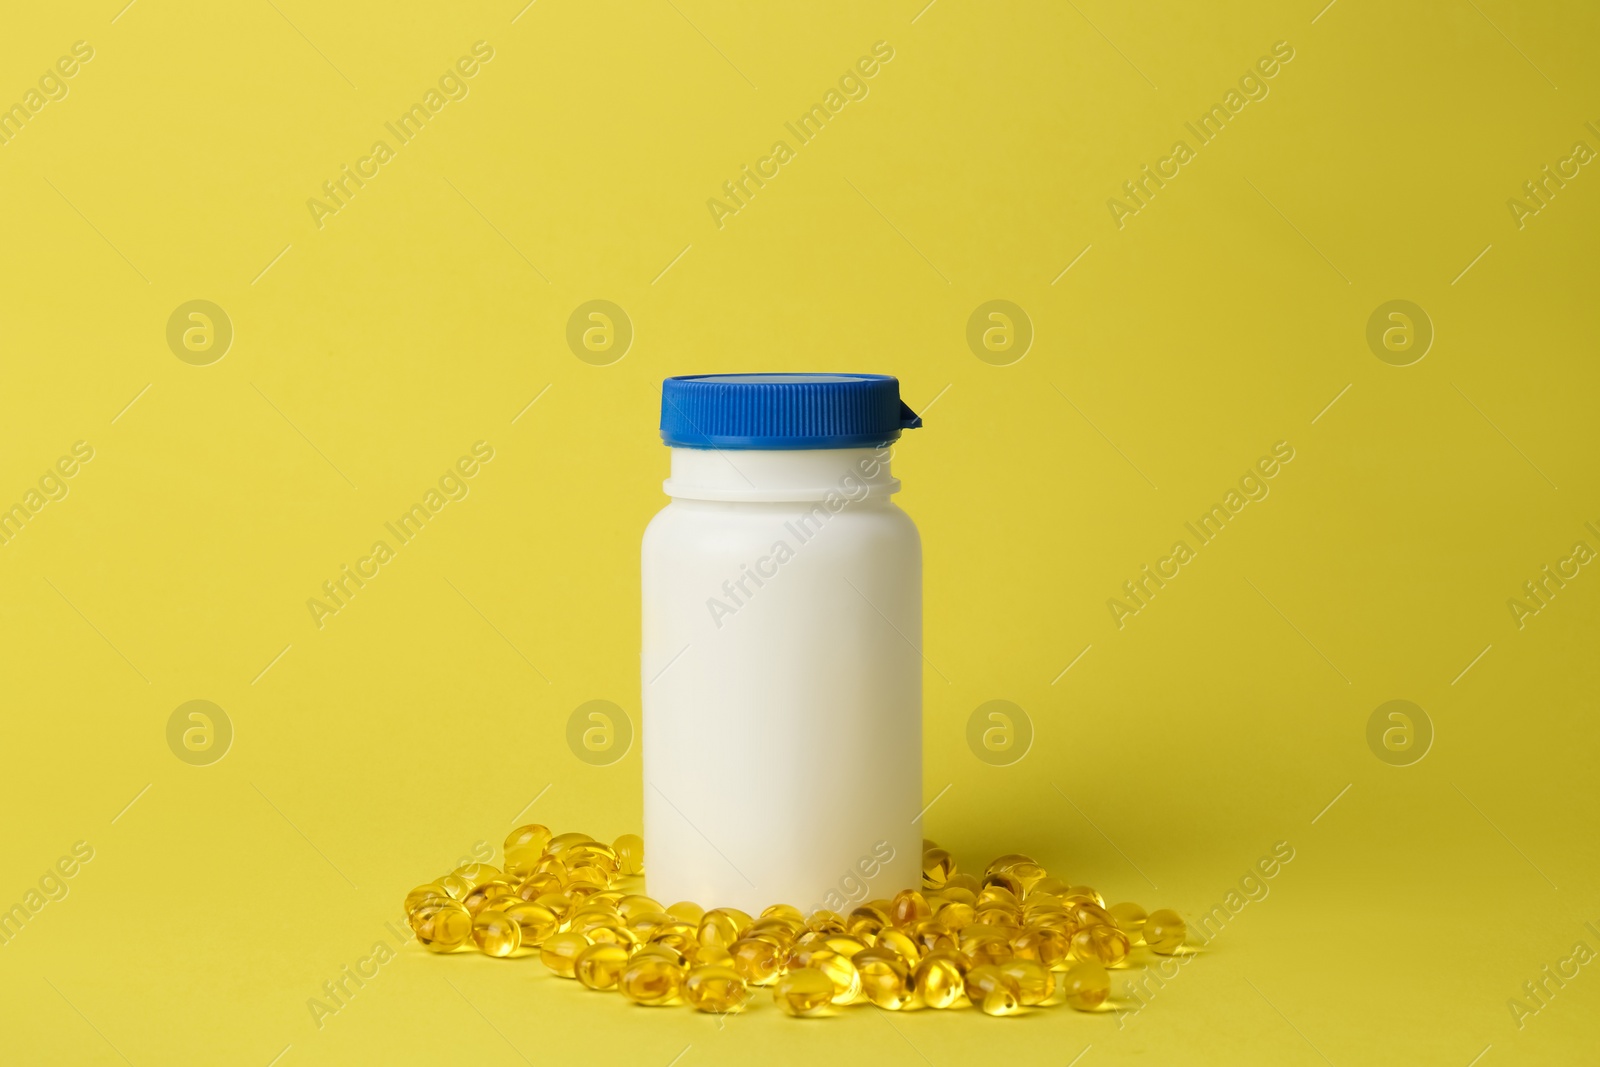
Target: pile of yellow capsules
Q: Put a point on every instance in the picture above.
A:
(1013, 939)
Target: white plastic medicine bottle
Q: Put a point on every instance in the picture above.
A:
(781, 662)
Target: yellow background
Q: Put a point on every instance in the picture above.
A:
(371, 352)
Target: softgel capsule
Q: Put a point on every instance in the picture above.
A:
(1013, 941)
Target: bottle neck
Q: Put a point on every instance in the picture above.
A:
(756, 476)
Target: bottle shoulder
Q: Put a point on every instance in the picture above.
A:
(717, 523)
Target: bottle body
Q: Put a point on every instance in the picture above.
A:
(782, 682)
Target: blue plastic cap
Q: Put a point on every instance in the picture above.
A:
(783, 411)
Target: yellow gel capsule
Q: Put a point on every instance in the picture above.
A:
(1000, 888)
(804, 992)
(782, 930)
(642, 922)
(1101, 944)
(582, 922)
(954, 915)
(954, 894)
(675, 925)
(1004, 880)
(845, 944)
(992, 951)
(531, 835)
(560, 952)
(937, 867)
(1052, 948)
(586, 875)
(595, 850)
(825, 922)
(1129, 918)
(783, 911)
(610, 934)
(992, 991)
(940, 979)
(901, 943)
(1085, 986)
(1056, 918)
(630, 853)
(651, 980)
(600, 966)
(442, 926)
(581, 892)
(589, 875)
(488, 895)
(964, 881)
(1006, 862)
(522, 862)
(661, 952)
(723, 926)
(559, 904)
(535, 920)
(1085, 913)
(1034, 981)
(866, 919)
(838, 967)
(1164, 931)
(1083, 892)
(606, 908)
(478, 873)
(1000, 917)
(985, 944)
(909, 906)
(709, 956)
(996, 896)
(495, 933)
(592, 854)
(561, 842)
(454, 886)
(758, 959)
(1048, 887)
(715, 989)
(1036, 902)
(932, 936)
(424, 893)
(1029, 874)
(1036, 905)
(688, 911)
(679, 935)
(553, 866)
(636, 904)
(885, 978)
(537, 886)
